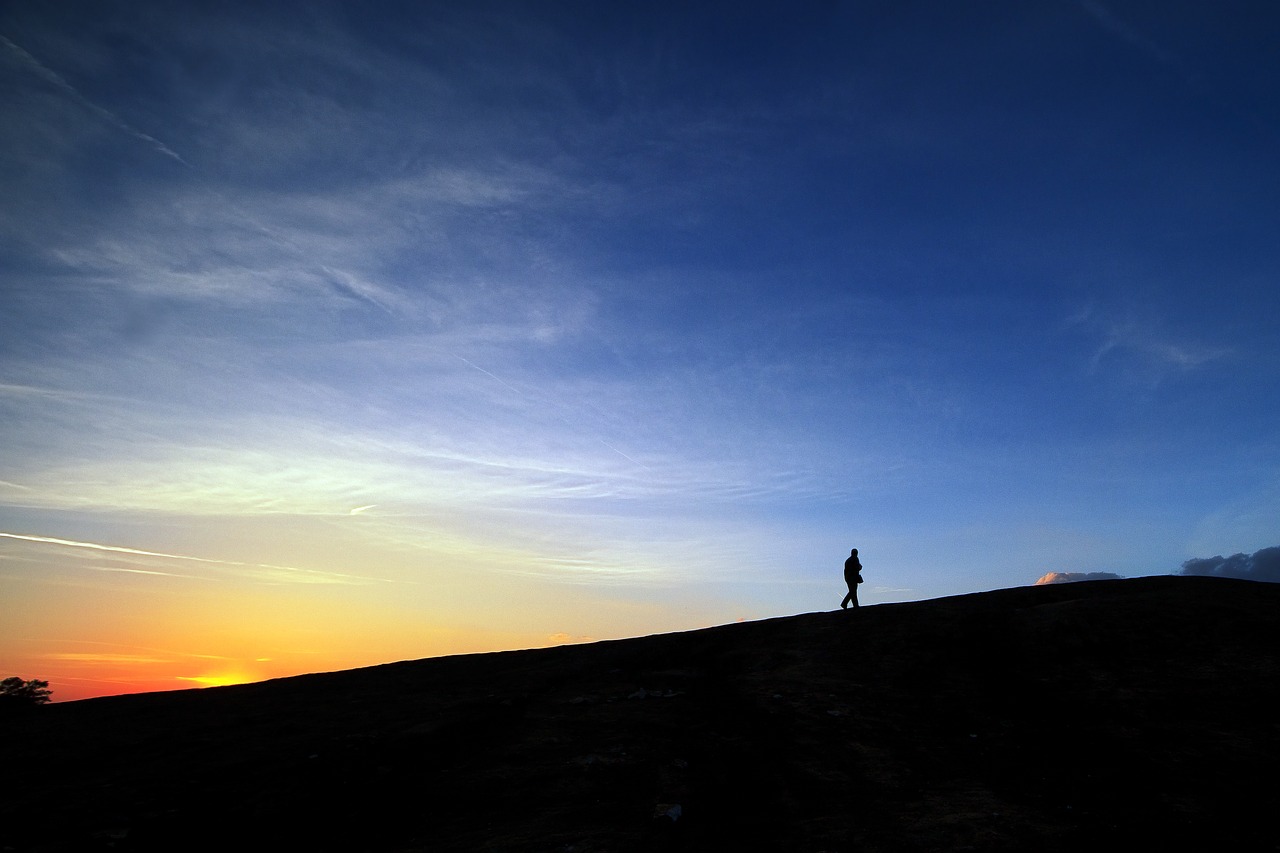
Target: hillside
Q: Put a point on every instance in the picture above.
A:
(1138, 713)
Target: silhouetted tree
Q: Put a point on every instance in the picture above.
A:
(15, 692)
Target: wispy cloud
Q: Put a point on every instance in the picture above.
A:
(1158, 351)
(291, 575)
(105, 657)
(98, 651)
(562, 638)
(380, 296)
(34, 392)
(453, 440)
(321, 250)
(433, 206)
(1145, 343)
(127, 571)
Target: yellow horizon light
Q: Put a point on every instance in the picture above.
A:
(219, 680)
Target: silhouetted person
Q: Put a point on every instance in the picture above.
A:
(852, 577)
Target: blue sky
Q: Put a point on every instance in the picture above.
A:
(447, 327)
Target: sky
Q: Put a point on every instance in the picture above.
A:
(335, 334)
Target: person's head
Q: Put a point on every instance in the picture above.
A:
(853, 553)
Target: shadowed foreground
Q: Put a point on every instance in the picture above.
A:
(1137, 713)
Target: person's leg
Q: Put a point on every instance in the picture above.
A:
(844, 602)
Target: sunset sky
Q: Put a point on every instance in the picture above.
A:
(339, 333)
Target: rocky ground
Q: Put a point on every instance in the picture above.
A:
(1139, 714)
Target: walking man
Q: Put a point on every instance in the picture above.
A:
(852, 577)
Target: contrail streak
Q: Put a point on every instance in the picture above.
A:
(115, 549)
(265, 571)
(51, 76)
(623, 455)
(490, 375)
(141, 572)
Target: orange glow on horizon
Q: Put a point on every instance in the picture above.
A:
(220, 680)
(133, 669)
(96, 633)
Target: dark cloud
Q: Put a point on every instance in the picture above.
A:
(1072, 577)
(1263, 565)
